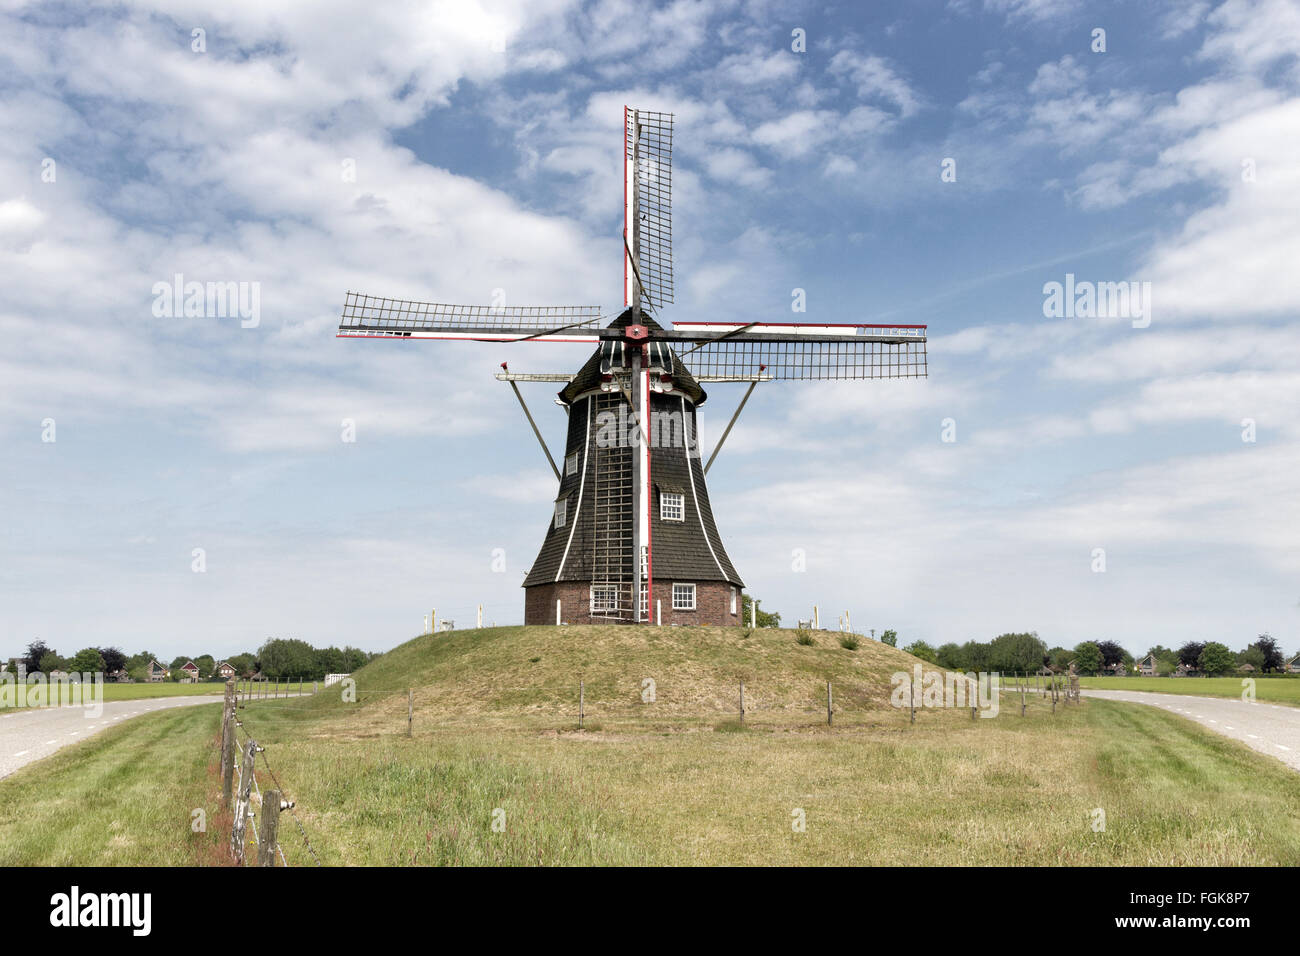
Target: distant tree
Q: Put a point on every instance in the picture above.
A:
(286, 658)
(1111, 653)
(763, 618)
(87, 661)
(922, 650)
(1016, 653)
(114, 659)
(1087, 657)
(1253, 656)
(1216, 659)
(1058, 658)
(50, 662)
(977, 656)
(1272, 653)
(354, 659)
(889, 637)
(950, 656)
(1190, 653)
(206, 665)
(35, 651)
(329, 660)
(245, 665)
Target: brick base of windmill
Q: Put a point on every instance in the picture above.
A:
(713, 605)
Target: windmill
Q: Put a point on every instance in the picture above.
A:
(632, 536)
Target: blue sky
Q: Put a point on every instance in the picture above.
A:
(483, 138)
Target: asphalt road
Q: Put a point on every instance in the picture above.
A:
(27, 735)
(1272, 729)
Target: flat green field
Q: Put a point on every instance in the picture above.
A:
(669, 777)
(1278, 690)
(142, 691)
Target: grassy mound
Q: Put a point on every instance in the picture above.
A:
(687, 671)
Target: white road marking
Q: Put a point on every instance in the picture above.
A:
(22, 753)
(1253, 736)
(1280, 747)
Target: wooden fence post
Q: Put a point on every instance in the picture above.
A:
(227, 708)
(410, 710)
(829, 708)
(239, 831)
(911, 697)
(582, 693)
(269, 828)
(228, 755)
(742, 701)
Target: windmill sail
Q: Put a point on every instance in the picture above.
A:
(379, 316)
(732, 351)
(648, 153)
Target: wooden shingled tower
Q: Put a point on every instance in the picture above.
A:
(632, 536)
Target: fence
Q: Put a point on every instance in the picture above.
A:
(570, 700)
(239, 759)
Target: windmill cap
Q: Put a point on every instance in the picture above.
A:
(589, 376)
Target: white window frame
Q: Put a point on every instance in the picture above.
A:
(680, 509)
(571, 464)
(734, 596)
(608, 600)
(682, 606)
(645, 601)
(561, 512)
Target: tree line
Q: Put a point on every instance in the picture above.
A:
(1027, 653)
(276, 659)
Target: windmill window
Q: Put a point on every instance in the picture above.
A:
(683, 597)
(733, 601)
(645, 601)
(571, 464)
(672, 507)
(604, 597)
(561, 512)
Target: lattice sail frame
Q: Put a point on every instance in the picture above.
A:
(648, 154)
(370, 315)
(722, 351)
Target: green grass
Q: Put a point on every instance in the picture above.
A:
(1278, 690)
(121, 798)
(675, 781)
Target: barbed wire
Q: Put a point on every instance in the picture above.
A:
(239, 725)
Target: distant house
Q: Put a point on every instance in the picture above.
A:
(224, 671)
(1247, 668)
(119, 676)
(1182, 670)
(1293, 665)
(155, 672)
(1147, 666)
(191, 672)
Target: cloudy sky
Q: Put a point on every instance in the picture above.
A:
(446, 150)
